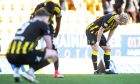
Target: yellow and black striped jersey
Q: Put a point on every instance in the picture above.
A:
(107, 22)
(27, 36)
(52, 8)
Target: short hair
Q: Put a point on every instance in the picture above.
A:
(41, 12)
(50, 6)
(124, 17)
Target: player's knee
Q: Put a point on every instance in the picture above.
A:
(107, 49)
(51, 59)
(55, 56)
(51, 55)
(54, 53)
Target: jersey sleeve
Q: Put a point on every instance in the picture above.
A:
(104, 22)
(57, 11)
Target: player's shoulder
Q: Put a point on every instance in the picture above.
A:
(57, 8)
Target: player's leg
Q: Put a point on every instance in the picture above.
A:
(36, 60)
(107, 59)
(42, 64)
(107, 51)
(13, 60)
(56, 63)
(95, 53)
(91, 40)
(16, 73)
(56, 66)
(94, 58)
(106, 56)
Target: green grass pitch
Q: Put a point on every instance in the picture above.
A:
(78, 79)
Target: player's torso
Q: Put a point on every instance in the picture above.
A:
(30, 30)
(26, 38)
(107, 22)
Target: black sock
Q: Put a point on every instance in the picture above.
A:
(107, 61)
(94, 61)
(56, 65)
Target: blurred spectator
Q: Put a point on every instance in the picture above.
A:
(71, 5)
(95, 7)
(107, 6)
(90, 5)
(63, 4)
(132, 9)
(138, 15)
(119, 6)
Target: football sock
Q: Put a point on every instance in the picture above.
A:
(107, 59)
(56, 65)
(94, 59)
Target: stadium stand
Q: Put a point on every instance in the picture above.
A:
(14, 12)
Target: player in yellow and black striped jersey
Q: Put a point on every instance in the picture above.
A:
(22, 49)
(54, 10)
(27, 37)
(95, 37)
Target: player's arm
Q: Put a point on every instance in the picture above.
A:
(48, 41)
(58, 23)
(105, 25)
(99, 34)
(110, 34)
(46, 35)
(58, 20)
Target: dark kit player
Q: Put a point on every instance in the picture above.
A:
(95, 37)
(54, 10)
(22, 50)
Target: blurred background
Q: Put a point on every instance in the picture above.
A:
(71, 41)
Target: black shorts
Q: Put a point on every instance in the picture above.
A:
(32, 57)
(92, 38)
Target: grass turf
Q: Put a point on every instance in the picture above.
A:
(78, 79)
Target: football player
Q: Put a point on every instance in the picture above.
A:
(22, 50)
(54, 10)
(95, 37)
